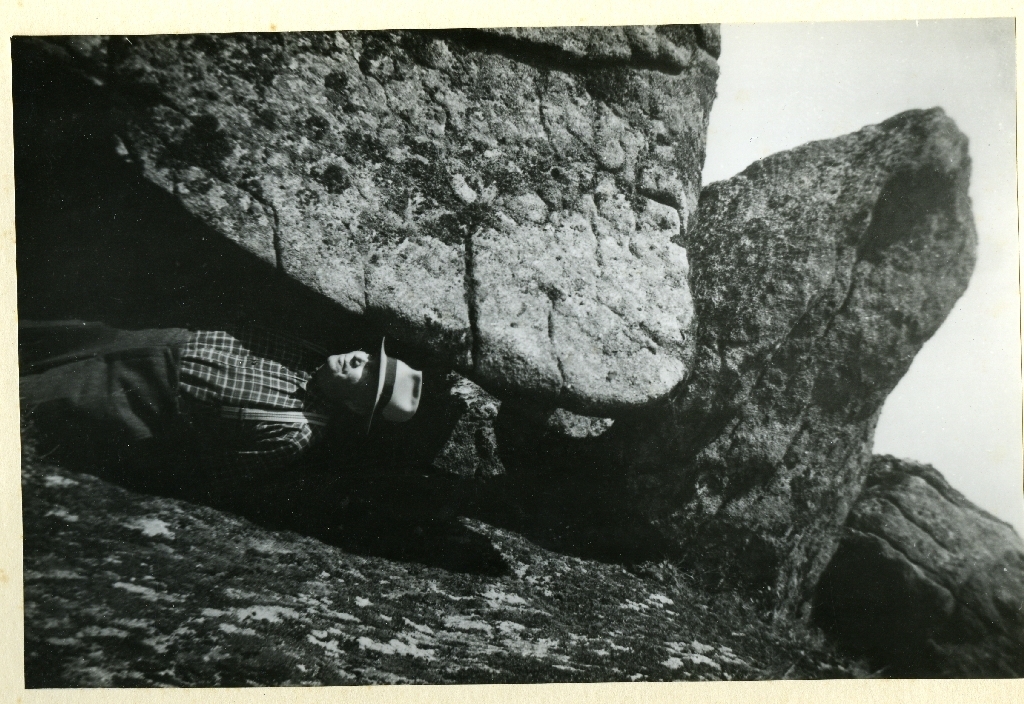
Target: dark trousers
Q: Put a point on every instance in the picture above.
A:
(98, 390)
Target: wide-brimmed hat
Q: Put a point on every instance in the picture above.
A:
(398, 390)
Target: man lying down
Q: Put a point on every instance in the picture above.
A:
(240, 405)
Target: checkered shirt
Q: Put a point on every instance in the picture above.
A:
(253, 368)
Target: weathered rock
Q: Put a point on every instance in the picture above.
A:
(128, 590)
(924, 581)
(665, 47)
(817, 274)
(471, 450)
(508, 199)
(571, 425)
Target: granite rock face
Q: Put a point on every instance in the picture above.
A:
(471, 448)
(510, 200)
(128, 590)
(925, 581)
(818, 273)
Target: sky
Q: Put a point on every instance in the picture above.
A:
(959, 406)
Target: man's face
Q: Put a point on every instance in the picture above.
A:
(350, 379)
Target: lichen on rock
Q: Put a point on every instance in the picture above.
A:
(509, 200)
(924, 581)
(818, 273)
(519, 205)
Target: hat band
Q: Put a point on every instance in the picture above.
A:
(390, 374)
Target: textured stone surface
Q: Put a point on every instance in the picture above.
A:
(926, 582)
(471, 449)
(509, 200)
(667, 47)
(817, 276)
(818, 273)
(127, 590)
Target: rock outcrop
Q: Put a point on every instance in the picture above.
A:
(817, 274)
(924, 581)
(471, 449)
(129, 590)
(514, 204)
(508, 199)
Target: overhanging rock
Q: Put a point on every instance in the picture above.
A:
(511, 200)
(818, 273)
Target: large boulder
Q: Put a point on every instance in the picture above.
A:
(510, 200)
(818, 273)
(924, 581)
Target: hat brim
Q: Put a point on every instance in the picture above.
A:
(382, 365)
(382, 382)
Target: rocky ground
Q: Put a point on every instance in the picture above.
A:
(944, 575)
(125, 589)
